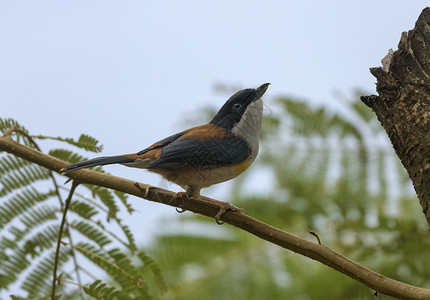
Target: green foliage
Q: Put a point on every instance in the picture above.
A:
(336, 174)
(309, 120)
(31, 204)
(100, 290)
(118, 265)
(85, 142)
(151, 266)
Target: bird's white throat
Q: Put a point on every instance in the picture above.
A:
(249, 126)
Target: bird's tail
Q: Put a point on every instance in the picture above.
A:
(98, 161)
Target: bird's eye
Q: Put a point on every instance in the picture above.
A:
(237, 106)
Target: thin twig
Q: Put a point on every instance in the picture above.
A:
(12, 130)
(60, 234)
(69, 235)
(315, 235)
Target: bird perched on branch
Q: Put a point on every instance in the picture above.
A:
(204, 155)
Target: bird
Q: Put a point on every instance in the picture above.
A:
(204, 155)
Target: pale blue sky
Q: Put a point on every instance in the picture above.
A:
(129, 72)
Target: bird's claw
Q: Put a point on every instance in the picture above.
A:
(180, 210)
(144, 190)
(224, 207)
(183, 196)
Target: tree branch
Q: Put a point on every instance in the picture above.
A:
(403, 104)
(315, 251)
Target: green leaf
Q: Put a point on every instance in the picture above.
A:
(22, 177)
(31, 203)
(152, 266)
(313, 121)
(91, 232)
(85, 142)
(66, 155)
(100, 290)
(9, 163)
(37, 282)
(20, 203)
(83, 209)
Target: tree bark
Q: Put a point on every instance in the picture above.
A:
(403, 104)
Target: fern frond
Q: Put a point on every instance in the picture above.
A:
(119, 267)
(125, 229)
(101, 259)
(15, 264)
(107, 198)
(310, 121)
(85, 142)
(124, 197)
(6, 124)
(12, 265)
(22, 177)
(83, 209)
(38, 215)
(66, 155)
(20, 203)
(10, 126)
(9, 162)
(91, 232)
(42, 240)
(89, 143)
(28, 227)
(37, 282)
(129, 235)
(23, 238)
(137, 285)
(100, 290)
(154, 268)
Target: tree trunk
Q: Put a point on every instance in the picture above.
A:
(403, 104)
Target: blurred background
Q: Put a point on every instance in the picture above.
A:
(132, 72)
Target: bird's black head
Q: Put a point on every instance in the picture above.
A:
(232, 111)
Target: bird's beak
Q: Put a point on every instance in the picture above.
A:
(261, 90)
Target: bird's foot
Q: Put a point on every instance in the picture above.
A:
(183, 196)
(144, 190)
(225, 206)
